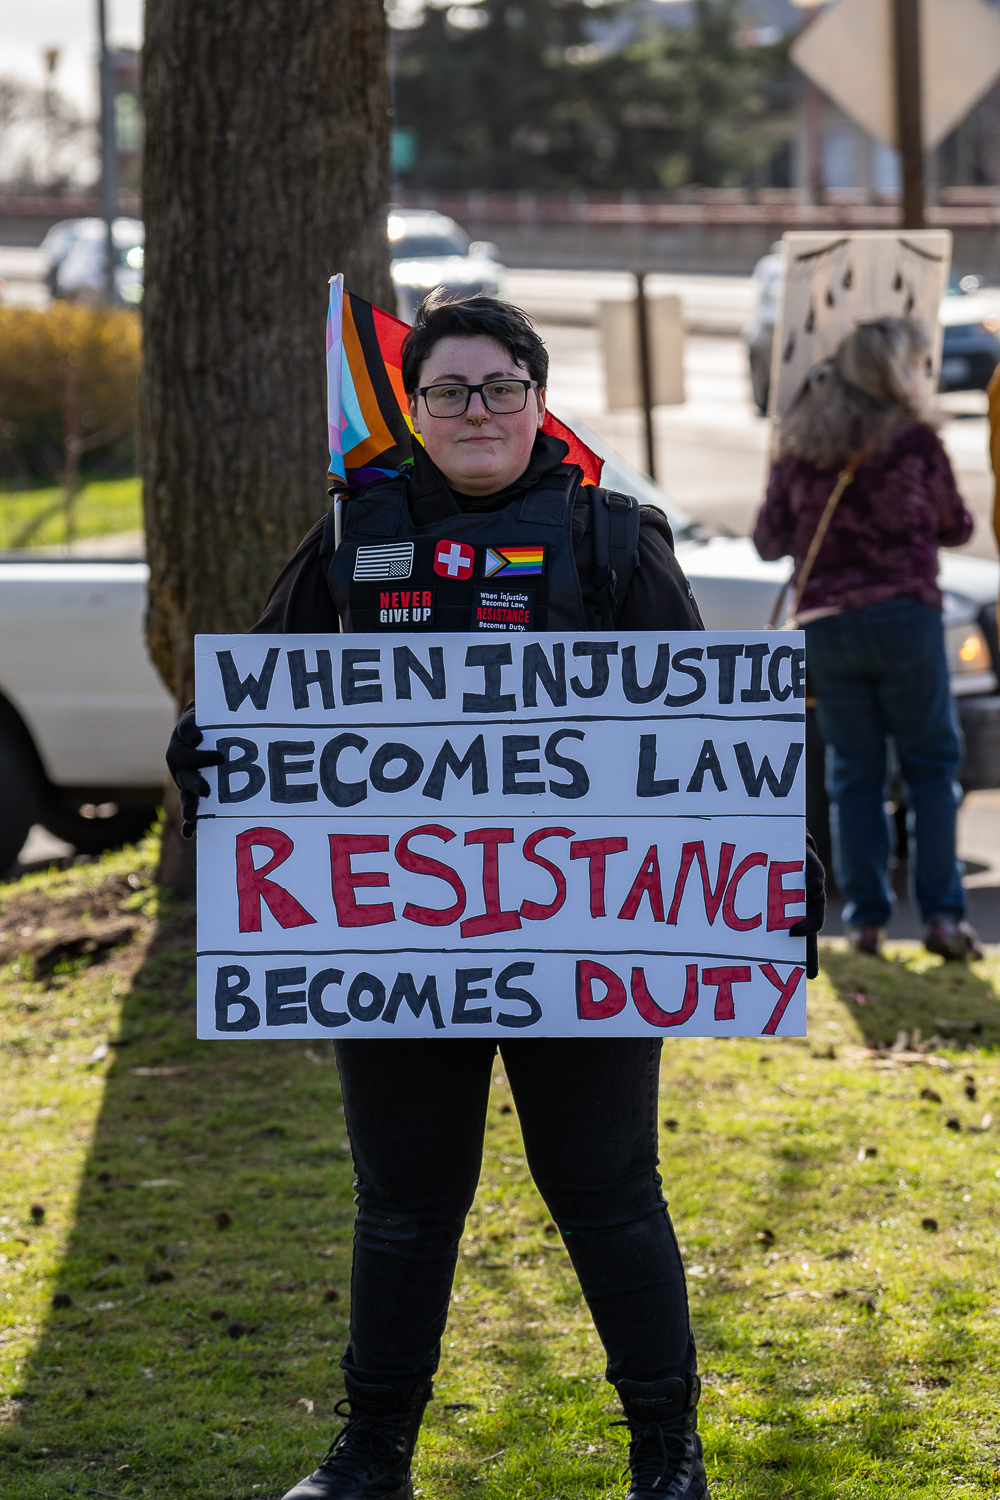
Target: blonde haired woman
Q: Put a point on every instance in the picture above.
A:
(872, 615)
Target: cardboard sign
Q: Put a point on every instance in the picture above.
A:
(834, 281)
(540, 835)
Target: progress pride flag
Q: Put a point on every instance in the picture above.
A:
(558, 835)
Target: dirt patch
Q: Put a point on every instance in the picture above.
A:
(94, 942)
(76, 921)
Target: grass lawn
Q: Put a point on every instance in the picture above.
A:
(36, 518)
(837, 1207)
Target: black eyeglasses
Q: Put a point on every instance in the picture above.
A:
(499, 396)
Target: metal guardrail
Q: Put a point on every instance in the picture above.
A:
(57, 206)
(777, 207)
(956, 207)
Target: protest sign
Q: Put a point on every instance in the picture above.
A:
(531, 835)
(834, 281)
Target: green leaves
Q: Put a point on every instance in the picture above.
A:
(584, 96)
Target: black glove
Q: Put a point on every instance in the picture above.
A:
(812, 923)
(185, 762)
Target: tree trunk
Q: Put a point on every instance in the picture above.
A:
(266, 171)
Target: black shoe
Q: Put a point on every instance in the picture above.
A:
(954, 940)
(664, 1455)
(868, 939)
(370, 1459)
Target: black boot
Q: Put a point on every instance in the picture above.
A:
(664, 1454)
(370, 1459)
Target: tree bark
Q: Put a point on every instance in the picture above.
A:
(265, 172)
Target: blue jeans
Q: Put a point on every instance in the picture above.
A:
(881, 673)
(416, 1113)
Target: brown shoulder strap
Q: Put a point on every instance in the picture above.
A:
(844, 478)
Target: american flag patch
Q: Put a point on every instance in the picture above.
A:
(394, 560)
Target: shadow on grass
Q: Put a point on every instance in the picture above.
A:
(198, 1357)
(892, 994)
(206, 1272)
(781, 1419)
(203, 1295)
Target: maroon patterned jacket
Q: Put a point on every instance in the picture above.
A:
(882, 542)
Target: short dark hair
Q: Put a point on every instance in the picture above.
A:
(439, 317)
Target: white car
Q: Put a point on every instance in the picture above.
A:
(84, 718)
(430, 250)
(77, 251)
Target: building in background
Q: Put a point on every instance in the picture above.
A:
(126, 75)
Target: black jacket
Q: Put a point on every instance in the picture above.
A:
(659, 596)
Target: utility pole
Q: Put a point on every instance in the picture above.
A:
(813, 113)
(909, 109)
(51, 56)
(812, 122)
(109, 152)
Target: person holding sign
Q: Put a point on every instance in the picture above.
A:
(865, 548)
(490, 526)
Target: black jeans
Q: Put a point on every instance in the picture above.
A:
(416, 1114)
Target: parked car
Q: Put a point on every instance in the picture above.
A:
(77, 255)
(57, 244)
(970, 350)
(430, 250)
(84, 718)
(758, 332)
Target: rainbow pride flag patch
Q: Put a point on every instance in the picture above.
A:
(514, 562)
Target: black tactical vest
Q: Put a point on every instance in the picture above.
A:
(506, 570)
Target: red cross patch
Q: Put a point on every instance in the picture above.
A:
(453, 560)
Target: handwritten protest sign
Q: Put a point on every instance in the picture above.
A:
(834, 281)
(532, 835)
